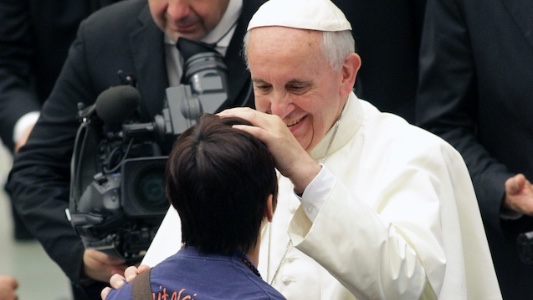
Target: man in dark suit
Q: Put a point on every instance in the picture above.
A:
(476, 91)
(129, 42)
(34, 39)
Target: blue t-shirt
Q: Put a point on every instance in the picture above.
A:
(199, 276)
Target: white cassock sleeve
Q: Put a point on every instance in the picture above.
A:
(167, 241)
(416, 234)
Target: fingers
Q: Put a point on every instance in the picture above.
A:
(130, 273)
(100, 266)
(14, 283)
(264, 125)
(241, 112)
(9, 281)
(103, 257)
(515, 184)
(143, 268)
(8, 286)
(117, 281)
(104, 293)
(253, 116)
(519, 195)
(259, 121)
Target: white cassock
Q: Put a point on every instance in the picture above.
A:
(394, 217)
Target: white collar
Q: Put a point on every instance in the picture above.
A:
(351, 122)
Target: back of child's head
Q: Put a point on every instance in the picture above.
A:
(219, 179)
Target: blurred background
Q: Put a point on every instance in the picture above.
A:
(39, 277)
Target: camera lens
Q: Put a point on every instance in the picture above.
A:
(143, 192)
(151, 188)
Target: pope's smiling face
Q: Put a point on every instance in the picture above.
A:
(293, 80)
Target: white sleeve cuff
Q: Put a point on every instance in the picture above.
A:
(23, 124)
(315, 194)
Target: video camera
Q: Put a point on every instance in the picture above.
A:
(117, 193)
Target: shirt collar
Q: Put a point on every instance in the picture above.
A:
(221, 33)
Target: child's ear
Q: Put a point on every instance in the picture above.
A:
(269, 209)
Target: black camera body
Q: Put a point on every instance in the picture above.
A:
(117, 194)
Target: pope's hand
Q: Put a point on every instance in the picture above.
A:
(291, 159)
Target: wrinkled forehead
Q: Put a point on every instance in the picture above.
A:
(275, 40)
(285, 54)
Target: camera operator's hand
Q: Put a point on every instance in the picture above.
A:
(100, 266)
(117, 280)
(519, 195)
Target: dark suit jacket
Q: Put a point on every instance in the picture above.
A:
(120, 37)
(476, 91)
(34, 39)
(387, 35)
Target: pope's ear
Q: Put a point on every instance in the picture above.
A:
(350, 67)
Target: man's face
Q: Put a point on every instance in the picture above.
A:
(192, 19)
(293, 80)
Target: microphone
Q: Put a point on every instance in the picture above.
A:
(116, 104)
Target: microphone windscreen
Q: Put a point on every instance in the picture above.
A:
(117, 103)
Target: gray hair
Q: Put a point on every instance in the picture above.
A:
(336, 45)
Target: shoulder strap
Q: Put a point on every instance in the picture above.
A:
(141, 286)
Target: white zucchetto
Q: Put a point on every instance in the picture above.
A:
(321, 15)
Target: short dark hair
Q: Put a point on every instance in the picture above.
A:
(218, 178)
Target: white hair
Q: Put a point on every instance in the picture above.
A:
(336, 45)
